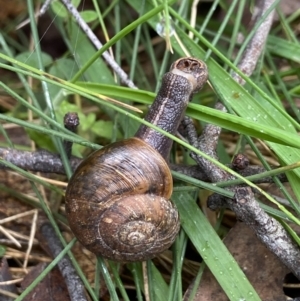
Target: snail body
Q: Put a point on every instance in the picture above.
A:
(117, 201)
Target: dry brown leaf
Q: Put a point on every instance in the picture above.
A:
(5, 276)
(52, 287)
(262, 268)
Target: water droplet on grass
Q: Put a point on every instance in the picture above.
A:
(161, 28)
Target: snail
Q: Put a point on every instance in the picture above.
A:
(117, 201)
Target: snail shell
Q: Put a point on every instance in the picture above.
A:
(117, 202)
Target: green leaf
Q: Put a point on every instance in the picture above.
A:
(88, 121)
(63, 68)
(83, 50)
(76, 3)
(2, 250)
(41, 140)
(103, 129)
(284, 48)
(12, 51)
(246, 126)
(159, 285)
(89, 15)
(212, 250)
(59, 9)
(31, 59)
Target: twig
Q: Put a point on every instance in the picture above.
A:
(46, 162)
(54, 246)
(93, 38)
(45, 7)
(207, 143)
(71, 122)
(194, 171)
(42, 160)
(244, 205)
(268, 230)
(31, 238)
(146, 281)
(255, 47)
(193, 16)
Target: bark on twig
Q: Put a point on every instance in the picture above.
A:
(207, 143)
(255, 47)
(268, 230)
(54, 247)
(35, 161)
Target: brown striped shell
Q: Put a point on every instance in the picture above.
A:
(117, 202)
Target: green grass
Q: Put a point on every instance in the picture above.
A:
(80, 76)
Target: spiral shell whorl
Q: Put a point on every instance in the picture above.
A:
(123, 213)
